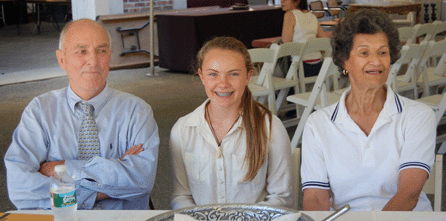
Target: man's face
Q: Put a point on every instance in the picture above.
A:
(85, 57)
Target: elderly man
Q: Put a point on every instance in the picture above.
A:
(107, 139)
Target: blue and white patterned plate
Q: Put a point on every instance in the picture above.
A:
(239, 212)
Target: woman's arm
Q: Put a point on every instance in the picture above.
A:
(288, 27)
(410, 183)
(316, 199)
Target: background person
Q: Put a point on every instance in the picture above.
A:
(114, 163)
(299, 24)
(231, 149)
(373, 149)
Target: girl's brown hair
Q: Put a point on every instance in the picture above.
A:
(253, 113)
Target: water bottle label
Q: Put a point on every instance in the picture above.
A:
(63, 200)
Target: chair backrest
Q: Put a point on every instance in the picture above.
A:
(316, 5)
(433, 184)
(411, 55)
(296, 176)
(314, 45)
(294, 49)
(435, 50)
(422, 29)
(328, 69)
(405, 33)
(267, 56)
(441, 27)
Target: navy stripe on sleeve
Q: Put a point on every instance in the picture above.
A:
(335, 113)
(415, 164)
(315, 184)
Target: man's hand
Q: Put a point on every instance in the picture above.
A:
(101, 196)
(135, 150)
(47, 168)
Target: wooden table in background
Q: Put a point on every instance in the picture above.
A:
(401, 8)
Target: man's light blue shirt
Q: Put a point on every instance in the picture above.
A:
(49, 131)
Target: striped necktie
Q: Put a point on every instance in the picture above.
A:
(88, 134)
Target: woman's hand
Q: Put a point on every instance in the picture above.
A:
(316, 199)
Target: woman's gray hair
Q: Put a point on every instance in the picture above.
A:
(67, 26)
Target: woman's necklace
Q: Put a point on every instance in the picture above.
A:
(212, 127)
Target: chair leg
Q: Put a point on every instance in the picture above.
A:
(151, 204)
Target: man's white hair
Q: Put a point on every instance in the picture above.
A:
(67, 26)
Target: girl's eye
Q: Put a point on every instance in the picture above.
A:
(213, 74)
(234, 74)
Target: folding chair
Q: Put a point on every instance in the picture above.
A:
(441, 28)
(296, 176)
(261, 85)
(408, 81)
(405, 33)
(315, 45)
(420, 30)
(433, 76)
(335, 8)
(318, 98)
(294, 49)
(433, 184)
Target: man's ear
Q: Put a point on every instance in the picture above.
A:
(61, 58)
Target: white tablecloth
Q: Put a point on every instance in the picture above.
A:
(141, 215)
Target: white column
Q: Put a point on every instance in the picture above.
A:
(93, 8)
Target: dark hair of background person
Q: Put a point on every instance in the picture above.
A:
(303, 5)
(363, 21)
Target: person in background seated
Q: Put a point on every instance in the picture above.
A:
(107, 139)
(373, 149)
(231, 149)
(299, 24)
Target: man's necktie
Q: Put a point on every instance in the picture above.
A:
(88, 134)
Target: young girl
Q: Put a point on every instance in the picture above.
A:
(230, 149)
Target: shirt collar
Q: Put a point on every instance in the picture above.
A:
(393, 105)
(98, 101)
(197, 118)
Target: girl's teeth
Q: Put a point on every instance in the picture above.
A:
(223, 94)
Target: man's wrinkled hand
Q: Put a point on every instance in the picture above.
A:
(47, 168)
(135, 150)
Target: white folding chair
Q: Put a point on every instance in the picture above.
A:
(405, 33)
(408, 81)
(315, 45)
(294, 49)
(296, 176)
(441, 27)
(433, 184)
(433, 76)
(318, 98)
(261, 85)
(427, 29)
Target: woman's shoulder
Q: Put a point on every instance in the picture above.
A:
(324, 115)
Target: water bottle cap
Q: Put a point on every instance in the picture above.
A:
(60, 168)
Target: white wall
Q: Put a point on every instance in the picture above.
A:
(93, 8)
(179, 4)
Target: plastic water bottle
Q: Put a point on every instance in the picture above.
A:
(63, 195)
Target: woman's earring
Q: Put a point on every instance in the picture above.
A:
(345, 72)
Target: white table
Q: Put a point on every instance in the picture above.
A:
(141, 215)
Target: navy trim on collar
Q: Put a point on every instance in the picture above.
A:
(335, 113)
(398, 103)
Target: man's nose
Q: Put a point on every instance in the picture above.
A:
(92, 58)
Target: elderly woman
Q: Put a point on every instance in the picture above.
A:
(374, 148)
(299, 24)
